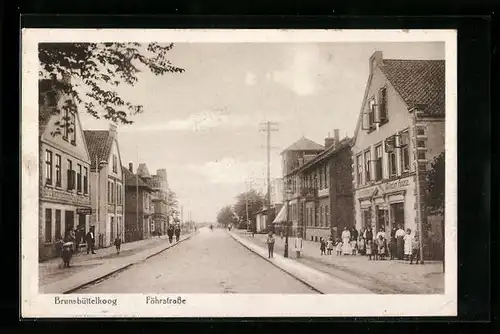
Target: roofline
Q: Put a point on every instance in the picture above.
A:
(327, 154)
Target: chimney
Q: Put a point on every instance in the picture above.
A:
(131, 167)
(329, 141)
(375, 60)
(112, 128)
(336, 136)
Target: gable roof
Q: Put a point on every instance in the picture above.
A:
(131, 179)
(99, 144)
(418, 82)
(304, 144)
(344, 143)
(143, 171)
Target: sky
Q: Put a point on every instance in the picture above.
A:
(203, 126)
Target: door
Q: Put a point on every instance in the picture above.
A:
(112, 227)
(69, 220)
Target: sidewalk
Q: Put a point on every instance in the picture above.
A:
(88, 268)
(382, 276)
(316, 279)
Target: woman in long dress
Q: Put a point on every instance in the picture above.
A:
(346, 238)
(408, 238)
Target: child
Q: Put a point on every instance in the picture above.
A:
(415, 254)
(322, 246)
(369, 249)
(67, 253)
(361, 245)
(329, 246)
(381, 247)
(354, 246)
(118, 243)
(338, 246)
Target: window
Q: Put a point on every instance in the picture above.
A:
(109, 191)
(85, 180)
(405, 159)
(382, 104)
(367, 166)
(327, 216)
(48, 225)
(115, 164)
(58, 224)
(371, 109)
(113, 190)
(421, 155)
(72, 128)
(79, 179)
(327, 173)
(321, 216)
(65, 121)
(71, 176)
(392, 164)
(359, 166)
(58, 170)
(320, 179)
(420, 132)
(378, 163)
(48, 167)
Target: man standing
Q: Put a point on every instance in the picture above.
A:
(177, 232)
(90, 239)
(298, 245)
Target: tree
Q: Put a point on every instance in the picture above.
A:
(98, 68)
(173, 203)
(435, 186)
(226, 216)
(255, 204)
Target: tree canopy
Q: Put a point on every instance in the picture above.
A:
(255, 204)
(101, 67)
(226, 216)
(173, 203)
(436, 176)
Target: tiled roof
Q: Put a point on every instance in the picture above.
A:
(346, 142)
(131, 179)
(304, 144)
(418, 82)
(99, 144)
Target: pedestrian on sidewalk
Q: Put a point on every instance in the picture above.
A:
(346, 239)
(381, 247)
(270, 244)
(338, 246)
(329, 246)
(354, 246)
(361, 245)
(170, 233)
(368, 234)
(298, 245)
(415, 254)
(177, 232)
(90, 240)
(67, 253)
(70, 237)
(118, 244)
(393, 243)
(400, 244)
(322, 246)
(408, 244)
(369, 249)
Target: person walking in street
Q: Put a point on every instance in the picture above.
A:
(329, 246)
(322, 246)
(346, 239)
(118, 244)
(408, 244)
(400, 234)
(177, 232)
(270, 244)
(90, 240)
(298, 245)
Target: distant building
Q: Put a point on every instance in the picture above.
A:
(159, 183)
(107, 198)
(64, 167)
(138, 205)
(401, 128)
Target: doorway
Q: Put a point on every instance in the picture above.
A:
(69, 221)
(398, 215)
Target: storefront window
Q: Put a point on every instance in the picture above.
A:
(398, 215)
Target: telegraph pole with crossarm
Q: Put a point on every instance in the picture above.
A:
(269, 127)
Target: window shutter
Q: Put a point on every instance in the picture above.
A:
(405, 140)
(382, 104)
(389, 144)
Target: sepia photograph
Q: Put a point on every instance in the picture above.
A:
(238, 173)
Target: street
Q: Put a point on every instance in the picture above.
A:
(209, 262)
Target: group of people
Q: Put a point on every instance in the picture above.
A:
(174, 230)
(71, 242)
(399, 244)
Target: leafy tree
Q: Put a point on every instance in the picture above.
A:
(435, 186)
(226, 216)
(98, 68)
(173, 203)
(255, 204)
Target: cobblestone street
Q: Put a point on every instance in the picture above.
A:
(210, 262)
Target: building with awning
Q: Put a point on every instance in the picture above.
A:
(281, 217)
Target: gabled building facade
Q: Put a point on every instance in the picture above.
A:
(64, 167)
(108, 191)
(399, 131)
(159, 184)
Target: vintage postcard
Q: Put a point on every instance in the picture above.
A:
(239, 173)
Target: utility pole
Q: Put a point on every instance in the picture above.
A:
(268, 128)
(137, 193)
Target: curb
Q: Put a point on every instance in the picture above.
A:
(119, 269)
(315, 279)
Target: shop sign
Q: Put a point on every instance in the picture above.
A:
(397, 185)
(84, 211)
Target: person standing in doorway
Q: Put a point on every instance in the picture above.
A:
(270, 244)
(400, 234)
(298, 245)
(90, 239)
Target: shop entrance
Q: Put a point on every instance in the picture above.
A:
(398, 215)
(367, 217)
(382, 220)
(69, 221)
